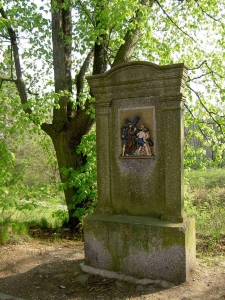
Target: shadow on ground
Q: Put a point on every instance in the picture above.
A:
(65, 280)
(37, 271)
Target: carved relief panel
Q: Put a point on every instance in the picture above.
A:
(137, 130)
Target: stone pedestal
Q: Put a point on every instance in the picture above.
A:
(140, 246)
(139, 227)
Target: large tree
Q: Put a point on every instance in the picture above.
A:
(89, 37)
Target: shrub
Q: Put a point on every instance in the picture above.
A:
(85, 179)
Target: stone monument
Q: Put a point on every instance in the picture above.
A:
(139, 227)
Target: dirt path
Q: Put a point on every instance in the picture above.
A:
(38, 270)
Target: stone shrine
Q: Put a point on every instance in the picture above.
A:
(139, 227)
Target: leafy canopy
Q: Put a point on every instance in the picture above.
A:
(190, 31)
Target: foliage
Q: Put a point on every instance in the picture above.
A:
(11, 187)
(14, 229)
(21, 159)
(4, 235)
(60, 217)
(209, 215)
(19, 194)
(193, 32)
(16, 174)
(20, 228)
(44, 223)
(85, 179)
(208, 179)
(204, 201)
(169, 31)
(96, 35)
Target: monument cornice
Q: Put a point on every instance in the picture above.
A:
(140, 64)
(139, 79)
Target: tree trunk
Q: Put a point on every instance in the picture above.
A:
(67, 158)
(68, 125)
(65, 141)
(65, 145)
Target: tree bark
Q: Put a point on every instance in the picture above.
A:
(65, 143)
(15, 49)
(100, 56)
(68, 125)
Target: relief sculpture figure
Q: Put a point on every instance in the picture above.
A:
(131, 140)
(136, 141)
(144, 142)
(124, 139)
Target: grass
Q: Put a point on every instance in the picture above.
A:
(207, 179)
(43, 207)
(205, 201)
(4, 234)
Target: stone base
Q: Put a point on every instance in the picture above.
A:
(122, 277)
(141, 247)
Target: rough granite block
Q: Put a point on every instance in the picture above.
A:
(141, 247)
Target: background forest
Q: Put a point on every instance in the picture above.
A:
(47, 132)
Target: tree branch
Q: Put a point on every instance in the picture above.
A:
(211, 72)
(5, 37)
(175, 24)
(48, 128)
(20, 83)
(207, 14)
(11, 57)
(86, 12)
(67, 30)
(194, 118)
(61, 41)
(205, 62)
(200, 76)
(79, 81)
(126, 50)
(32, 93)
(210, 113)
(131, 39)
(83, 70)
(5, 79)
(201, 64)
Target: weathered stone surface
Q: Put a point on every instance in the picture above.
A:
(140, 187)
(140, 246)
(139, 226)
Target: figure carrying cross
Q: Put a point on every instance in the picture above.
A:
(135, 141)
(128, 135)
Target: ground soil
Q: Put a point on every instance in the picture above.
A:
(48, 269)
